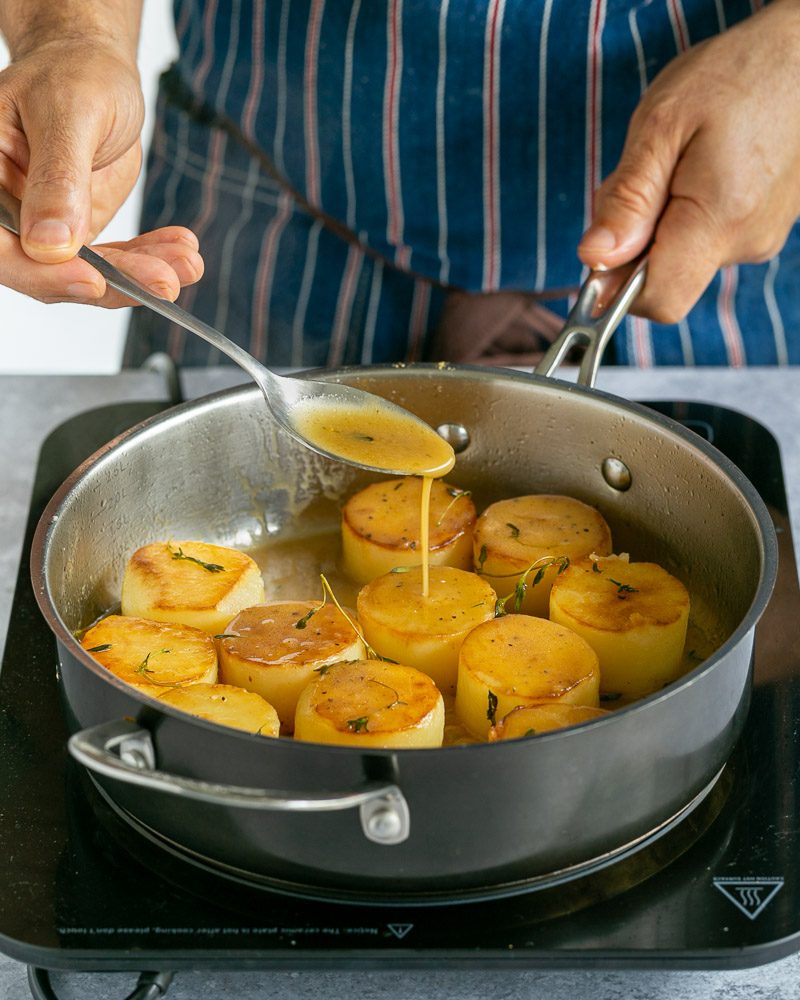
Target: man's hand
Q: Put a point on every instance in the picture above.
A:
(710, 171)
(71, 113)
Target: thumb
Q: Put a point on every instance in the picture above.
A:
(628, 204)
(56, 203)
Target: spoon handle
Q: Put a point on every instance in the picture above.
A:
(9, 219)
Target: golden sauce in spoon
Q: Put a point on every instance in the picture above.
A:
(383, 439)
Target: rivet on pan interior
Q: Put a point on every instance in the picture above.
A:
(617, 474)
(456, 435)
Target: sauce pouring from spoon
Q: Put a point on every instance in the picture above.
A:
(335, 420)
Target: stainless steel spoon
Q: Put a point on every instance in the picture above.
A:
(337, 421)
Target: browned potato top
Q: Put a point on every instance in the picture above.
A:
(268, 633)
(388, 513)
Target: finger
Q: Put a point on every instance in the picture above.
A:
(167, 234)
(688, 251)
(76, 280)
(149, 270)
(181, 258)
(629, 202)
(56, 202)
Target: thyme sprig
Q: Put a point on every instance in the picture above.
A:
(623, 588)
(518, 593)
(397, 700)
(361, 724)
(143, 667)
(208, 566)
(456, 494)
(327, 592)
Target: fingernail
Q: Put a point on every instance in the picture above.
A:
(598, 239)
(50, 233)
(83, 290)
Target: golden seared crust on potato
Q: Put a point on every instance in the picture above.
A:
(152, 656)
(533, 719)
(370, 703)
(191, 583)
(424, 632)
(227, 706)
(512, 534)
(263, 650)
(381, 528)
(634, 615)
(522, 660)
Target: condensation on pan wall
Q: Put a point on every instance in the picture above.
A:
(70, 338)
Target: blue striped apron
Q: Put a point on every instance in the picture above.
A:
(458, 143)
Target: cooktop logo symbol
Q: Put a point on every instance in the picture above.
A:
(750, 895)
(400, 930)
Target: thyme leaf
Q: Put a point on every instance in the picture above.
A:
(100, 649)
(482, 557)
(302, 622)
(358, 725)
(623, 589)
(491, 710)
(513, 528)
(539, 576)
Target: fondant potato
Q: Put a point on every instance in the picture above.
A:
(370, 703)
(634, 615)
(190, 583)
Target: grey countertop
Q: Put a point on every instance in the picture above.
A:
(31, 406)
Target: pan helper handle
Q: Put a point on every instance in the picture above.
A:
(603, 300)
(124, 751)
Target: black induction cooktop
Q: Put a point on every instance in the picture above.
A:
(81, 889)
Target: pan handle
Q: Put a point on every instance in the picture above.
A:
(603, 300)
(124, 751)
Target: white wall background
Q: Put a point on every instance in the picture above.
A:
(75, 338)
